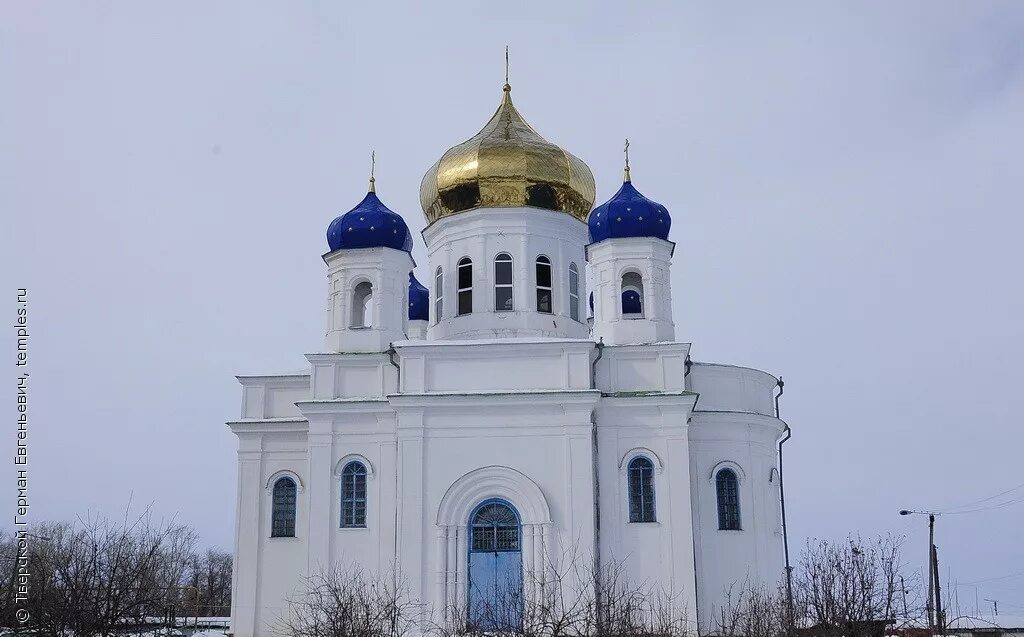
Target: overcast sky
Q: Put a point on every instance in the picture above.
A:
(845, 182)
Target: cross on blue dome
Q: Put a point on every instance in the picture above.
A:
(370, 224)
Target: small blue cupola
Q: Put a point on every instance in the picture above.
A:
(631, 303)
(370, 224)
(419, 300)
(628, 214)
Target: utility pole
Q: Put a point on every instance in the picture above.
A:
(933, 603)
(995, 606)
(931, 573)
(903, 585)
(940, 619)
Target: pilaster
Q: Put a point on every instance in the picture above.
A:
(320, 488)
(248, 517)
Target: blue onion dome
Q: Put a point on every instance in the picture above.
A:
(419, 300)
(628, 214)
(370, 224)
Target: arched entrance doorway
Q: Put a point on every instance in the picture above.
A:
(495, 566)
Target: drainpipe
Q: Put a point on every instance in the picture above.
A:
(398, 388)
(391, 351)
(595, 462)
(593, 366)
(782, 502)
(596, 477)
(781, 385)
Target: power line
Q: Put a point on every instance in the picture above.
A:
(991, 497)
(985, 508)
(992, 579)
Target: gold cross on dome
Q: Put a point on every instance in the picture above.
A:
(626, 151)
(373, 167)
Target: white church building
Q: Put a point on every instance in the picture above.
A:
(475, 433)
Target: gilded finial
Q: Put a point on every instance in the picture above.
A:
(625, 176)
(373, 166)
(507, 87)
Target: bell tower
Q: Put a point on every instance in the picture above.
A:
(368, 271)
(630, 260)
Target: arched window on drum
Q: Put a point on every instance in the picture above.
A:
(503, 296)
(544, 290)
(438, 294)
(574, 292)
(465, 290)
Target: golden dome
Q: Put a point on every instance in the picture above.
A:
(507, 164)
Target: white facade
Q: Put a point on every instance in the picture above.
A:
(542, 422)
(514, 397)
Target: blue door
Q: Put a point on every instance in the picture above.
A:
(495, 567)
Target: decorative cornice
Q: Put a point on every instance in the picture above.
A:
(293, 378)
(269, 425)
(500, 343)
(584, 397)
(344, 405)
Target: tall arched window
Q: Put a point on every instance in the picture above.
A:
(503, 283)
(282, 516)
(353, 495)
(544, 285)
(438, 294)
(574, 292)
(728, 490)
(632, 295)
(641, 490)
(465, 296)
(362, 305)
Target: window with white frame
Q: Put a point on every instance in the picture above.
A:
(574, 292)
(465, 289)
(438, 294)
(503, 283)
(544, 301)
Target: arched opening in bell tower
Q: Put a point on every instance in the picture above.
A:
(632, 295)
(362, 305)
